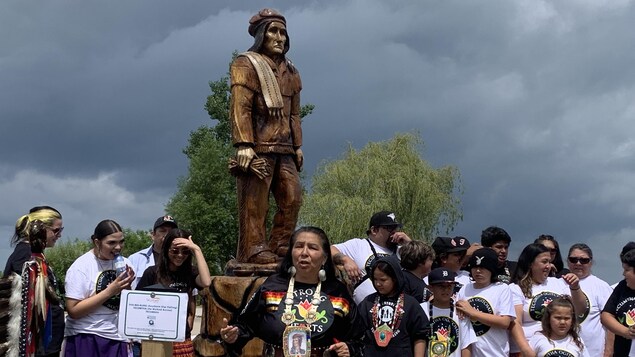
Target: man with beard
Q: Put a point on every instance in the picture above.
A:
(358, 254)
(498, 239)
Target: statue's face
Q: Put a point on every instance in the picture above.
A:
(275, 39)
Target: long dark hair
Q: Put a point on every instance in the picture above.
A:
(557, 260)
(287, 261)
(522, 274)
(183, 272)
(105, 228)
(574, 331)
(37, 236)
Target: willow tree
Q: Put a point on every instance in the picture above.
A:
(389, 175)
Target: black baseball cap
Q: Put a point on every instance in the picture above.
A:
(169, 220)
(441, 275)
(450, 244)
(384, 218)
(485, 258)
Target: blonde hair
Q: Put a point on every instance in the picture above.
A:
(47, 215)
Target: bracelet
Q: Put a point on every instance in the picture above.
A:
(572, 289)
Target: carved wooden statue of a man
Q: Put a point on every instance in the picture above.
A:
(266, 132)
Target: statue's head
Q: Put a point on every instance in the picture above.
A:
(269, 29)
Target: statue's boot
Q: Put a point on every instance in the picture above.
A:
(279, 246)
(255, 254)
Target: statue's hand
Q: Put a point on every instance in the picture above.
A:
(244, 155)
(299, 159)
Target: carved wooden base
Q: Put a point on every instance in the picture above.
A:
(235, 268)
(225, 298)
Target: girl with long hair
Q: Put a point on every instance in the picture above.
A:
(533, 289)
(560, 335)
(93, 290)
(175, 270)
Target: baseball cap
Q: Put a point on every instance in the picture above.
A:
(450, 245)
(484, 258)
(441, 275)
(165, 220)
(384, 218)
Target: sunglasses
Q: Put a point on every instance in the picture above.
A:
(176, 251)
(575, 260)
(57, 231)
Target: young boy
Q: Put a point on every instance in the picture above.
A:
(488, 304)
(449, 335)
(393, 321)
(416, 261)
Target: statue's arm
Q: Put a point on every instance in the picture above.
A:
(242, 94)
(296, 130)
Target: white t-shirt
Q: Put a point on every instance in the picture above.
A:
(359, 250)
(87, 276)
(533, 307)
(556, 348)
(457, 332)
(494, 299)
(463, 278)
(140, 261)
(597, 292)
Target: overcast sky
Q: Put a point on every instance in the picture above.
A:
(532, 101)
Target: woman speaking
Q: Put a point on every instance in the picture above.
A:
(302, 304)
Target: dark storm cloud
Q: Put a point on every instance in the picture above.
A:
(531, 100)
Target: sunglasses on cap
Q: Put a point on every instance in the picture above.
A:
(575, 260)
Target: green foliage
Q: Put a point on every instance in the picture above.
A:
(205, 201)
(65, 253)
(384, 175)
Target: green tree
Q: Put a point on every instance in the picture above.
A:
(383, 175)
(205, 201)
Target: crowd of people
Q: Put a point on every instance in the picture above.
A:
(93, 287)
(381, 294)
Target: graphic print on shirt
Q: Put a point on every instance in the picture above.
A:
(445, 329)
(587, 303)
(481, 305)
(539, 302)
(103, 279)
(386, 315)
(326, 310)
(559, 353)
(371, 260)
(625, 312)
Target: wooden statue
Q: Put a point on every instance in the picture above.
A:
(266, 132)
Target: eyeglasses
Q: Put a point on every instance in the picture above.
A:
(576, 260)
(553, 250)
(390, 228)
(176, 251)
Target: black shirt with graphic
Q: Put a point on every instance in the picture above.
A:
(336, 315)
(621, 304)
(413, 326)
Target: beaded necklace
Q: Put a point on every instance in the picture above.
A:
(437, 347)
(384, 332)
(287, 316)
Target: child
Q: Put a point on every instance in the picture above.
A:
(488, 304)
(393, 321)
(416, 260)
(449, 335)
(560, 335)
